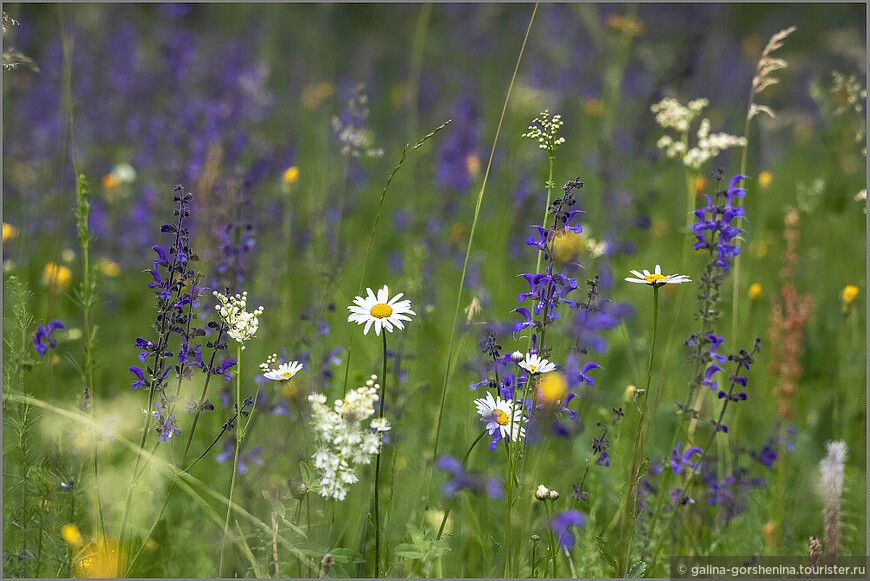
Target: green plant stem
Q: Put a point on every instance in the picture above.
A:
(508, 505)
(551, 159)
(235, 455)
(628, 514)
(378, 465)
(450, 347)
(362, 276)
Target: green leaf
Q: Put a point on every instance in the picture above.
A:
(408, 551)
(637, 571)
(306, 474)
(602, 549)
(277, 505)
(346, 555)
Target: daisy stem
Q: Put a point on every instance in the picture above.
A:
(464, 461)
(628, 514)
(378, 465)
(508, 505)
(235, 455)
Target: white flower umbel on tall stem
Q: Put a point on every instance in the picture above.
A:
(242, 326)
(343, 441)
(384, 313)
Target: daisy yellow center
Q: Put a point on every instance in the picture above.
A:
(500, 417)
(532, 367)
(652, 278)
(381, 310)
(286, 375)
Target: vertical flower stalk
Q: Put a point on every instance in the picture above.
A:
(242, 326)
(831, 471)
(763, 78)
(655, 280)
(87, 298)
(543, 130)
(384, 313)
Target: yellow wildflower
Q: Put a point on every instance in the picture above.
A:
(700, 184)
(71, 534)
(552, 387)
(99, 560)
(849, 294)
(472, 164)
(764, 179)
(56, 276)
(565, 245)
(754, 291)
(291, 174)
(9, 232)
(109, 267)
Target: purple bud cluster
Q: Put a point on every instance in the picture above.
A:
(177, 345)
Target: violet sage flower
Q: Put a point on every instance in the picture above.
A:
(42, 341)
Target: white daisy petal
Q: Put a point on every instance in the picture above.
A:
(380, 310)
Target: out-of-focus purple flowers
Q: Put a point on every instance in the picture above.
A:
(563, 522)
(246, 458)
(458, 161)
(42, 341)
(463, 480)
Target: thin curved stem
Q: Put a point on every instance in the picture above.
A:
(235, 455)
(628, 515)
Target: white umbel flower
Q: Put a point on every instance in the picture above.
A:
(533, 363)
(501, 415)
(242, 324)
(657, 278)
(343, 440)
(380, 310)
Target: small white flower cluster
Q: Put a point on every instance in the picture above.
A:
(242, 324)
(343, 442)
(670, 114)
(354, 138)
(849, 92)
(544, 130)
(267, 365)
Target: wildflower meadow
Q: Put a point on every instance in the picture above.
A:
(453, 290)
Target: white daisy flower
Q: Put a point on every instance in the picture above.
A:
(657, 278)
(535, 364)
(380, 311)
(284, 372)
(502, 415)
